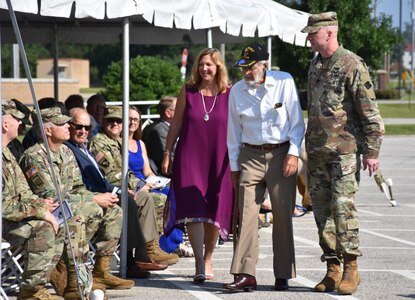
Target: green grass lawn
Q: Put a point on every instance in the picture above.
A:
(91, 90)
(402, 129)
(397, 110)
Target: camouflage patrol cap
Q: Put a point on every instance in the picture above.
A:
(317, 21)
(113, 112)
(23, 109)
(9, 108)
(52, 114)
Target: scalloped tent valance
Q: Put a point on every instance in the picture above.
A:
(246, 18)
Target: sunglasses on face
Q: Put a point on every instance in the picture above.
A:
(80, 126)
(114, 120)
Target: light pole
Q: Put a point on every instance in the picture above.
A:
(412, 52)
(400, 51)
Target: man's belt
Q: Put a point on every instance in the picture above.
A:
(266, 147)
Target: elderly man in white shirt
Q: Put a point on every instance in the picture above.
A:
(265, 131)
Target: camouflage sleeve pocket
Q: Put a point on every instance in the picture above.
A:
(352, 224)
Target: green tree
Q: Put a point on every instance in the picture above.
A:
(367, 37)
(150, 78)
(33, 53)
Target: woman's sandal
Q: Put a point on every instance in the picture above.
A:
(301, 211)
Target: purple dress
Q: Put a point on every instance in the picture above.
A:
(201, 175)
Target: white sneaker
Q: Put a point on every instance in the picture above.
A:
(185, 250)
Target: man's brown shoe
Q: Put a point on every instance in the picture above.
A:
(150, 266)
(243, 283)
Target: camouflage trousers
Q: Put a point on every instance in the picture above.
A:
(333, 183)
(91, 223)
(43, 249)
(159, 203)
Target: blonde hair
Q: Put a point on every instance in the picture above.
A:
(221, 77)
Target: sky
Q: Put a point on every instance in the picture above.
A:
(391, 7)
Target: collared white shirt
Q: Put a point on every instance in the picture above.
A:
(265, 114)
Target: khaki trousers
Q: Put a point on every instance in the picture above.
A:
(261, 170)
(147, 215)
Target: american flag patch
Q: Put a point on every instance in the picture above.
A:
(31, 172)
(99, 156)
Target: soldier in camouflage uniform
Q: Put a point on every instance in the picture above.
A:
(102, 217)
(27, 219)
(106, 146)
(343, 124)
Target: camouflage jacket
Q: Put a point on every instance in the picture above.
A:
(35, 166)
(108, 155)
(343, 116)
(19, 202)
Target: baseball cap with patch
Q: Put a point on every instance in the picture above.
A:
(113, 112)
(52, 114)
(252, 54)
(317, 21)
(9, 108)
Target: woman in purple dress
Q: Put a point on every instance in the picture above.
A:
(200, 173)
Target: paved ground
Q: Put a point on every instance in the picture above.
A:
(387, 241)
(387, 237)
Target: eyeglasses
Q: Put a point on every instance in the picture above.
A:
(249, 69)
(114, 120)
(135, 120)
(80, 126)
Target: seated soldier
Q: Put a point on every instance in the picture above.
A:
(138, 266)
(103, 218)
(106, 146)
(27, 219)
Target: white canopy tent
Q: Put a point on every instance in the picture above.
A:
(237, 18)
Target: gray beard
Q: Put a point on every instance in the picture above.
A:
(256, 80)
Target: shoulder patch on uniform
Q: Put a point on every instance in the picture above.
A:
(32, 171)
(99, 156)
(105, 163)
(38, 181)
(368, 85)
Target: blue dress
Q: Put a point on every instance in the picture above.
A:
(136, 164)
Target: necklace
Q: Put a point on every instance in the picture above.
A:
(206, 116)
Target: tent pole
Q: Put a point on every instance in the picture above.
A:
(209, 42)
(223, 50)
(269, 48)
(55, 63)
(126, 104)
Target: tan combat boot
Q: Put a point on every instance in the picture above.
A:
(332, 279)
(42, 294)
(351, 278)
(158, 255)
(71, 290)
(58, 277)
(103, 277)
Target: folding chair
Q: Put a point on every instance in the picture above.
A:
(11, 268)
